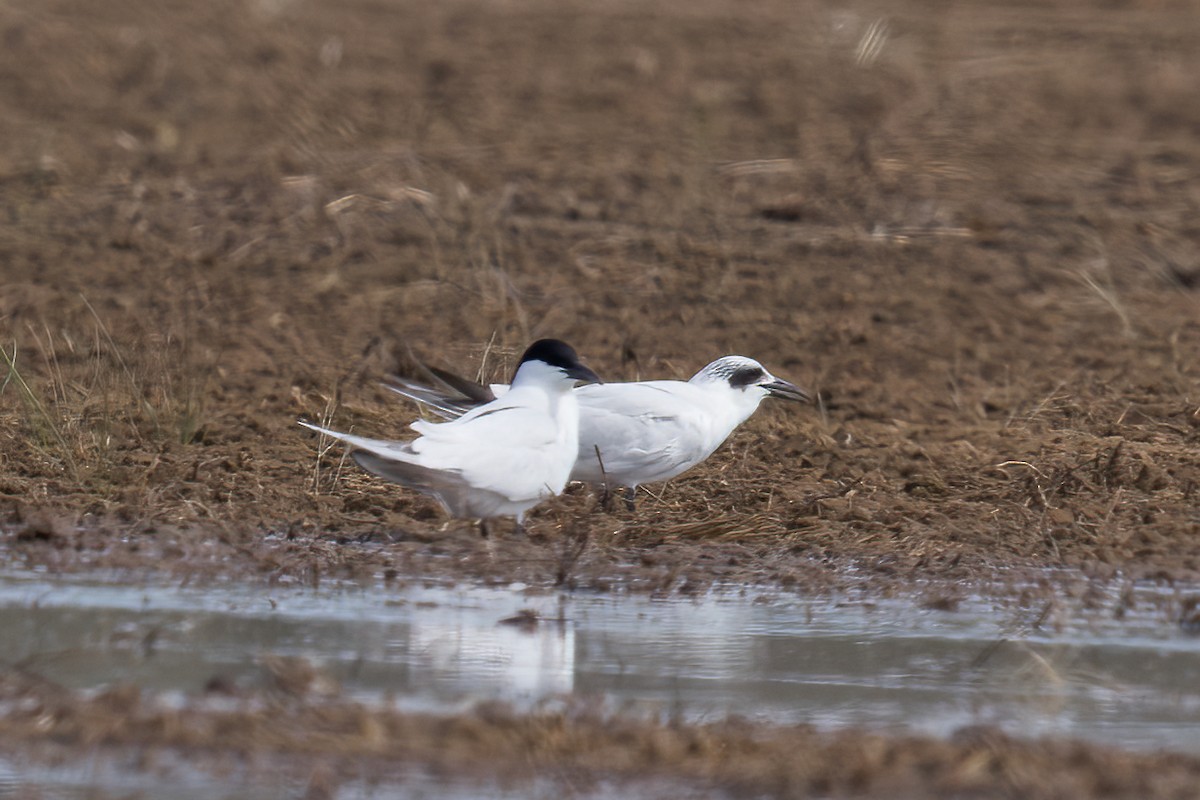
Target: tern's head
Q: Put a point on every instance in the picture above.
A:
(552, 362)
(748, 381)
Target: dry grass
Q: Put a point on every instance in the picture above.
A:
(970, 231)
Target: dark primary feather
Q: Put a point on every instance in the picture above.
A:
(413, 476)
(447, 407)
(475, 392)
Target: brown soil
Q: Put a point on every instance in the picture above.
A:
(973, 231)
(333, 741)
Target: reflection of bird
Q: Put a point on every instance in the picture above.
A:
(635, 433)
(499, 459)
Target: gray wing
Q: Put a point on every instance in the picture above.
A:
(444, 405)
(645, 432)
(447, 394)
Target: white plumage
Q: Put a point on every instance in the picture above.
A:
(645, 431)
(498, 459)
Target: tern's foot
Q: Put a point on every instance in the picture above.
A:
(608, 499)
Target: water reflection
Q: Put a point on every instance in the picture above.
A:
(888, 665)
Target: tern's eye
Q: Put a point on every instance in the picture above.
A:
(745, 376)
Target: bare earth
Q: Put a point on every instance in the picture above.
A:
(973, 231)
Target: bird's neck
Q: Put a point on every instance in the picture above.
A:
(743, 403)
(548, 395)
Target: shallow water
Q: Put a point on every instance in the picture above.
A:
(99, 777)
(887, 664)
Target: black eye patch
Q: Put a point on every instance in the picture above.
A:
(745, 376)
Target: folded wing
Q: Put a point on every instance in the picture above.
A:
(498, 448)
(645, 432)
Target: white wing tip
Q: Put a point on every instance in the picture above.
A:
(326, 431)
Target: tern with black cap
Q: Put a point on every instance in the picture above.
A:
(498, 459)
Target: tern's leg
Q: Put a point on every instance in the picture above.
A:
(630, 497)
(519, 527)
(485, 530)
(606, 497)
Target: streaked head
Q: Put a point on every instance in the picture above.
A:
(749, 377)
(554, 358)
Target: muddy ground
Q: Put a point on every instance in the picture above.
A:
(973, 232)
